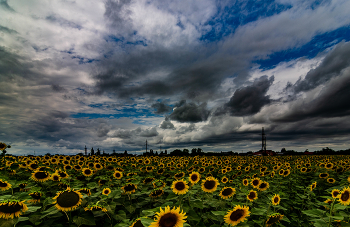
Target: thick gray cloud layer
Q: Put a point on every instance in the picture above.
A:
(106, 74)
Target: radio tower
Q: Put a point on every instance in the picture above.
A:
(146, 146)
(263, 146)
(85, 150)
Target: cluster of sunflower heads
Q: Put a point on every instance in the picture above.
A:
(12, 208)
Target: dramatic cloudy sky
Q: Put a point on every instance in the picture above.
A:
(112, 74)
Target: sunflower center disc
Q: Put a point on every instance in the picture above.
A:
(251, 195)
(236, 215)
(227, 192)
(180, 186)
(345, 196)
(194, 177)
(209, 184)
(263, 185)
(273, 220)
(3, 184)
(41, 175)
(168, 220)
(275, 200)
(10, 209)
(129, 187)
(68, 199)
(35, 196)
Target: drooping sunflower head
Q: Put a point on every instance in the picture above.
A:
(169, 218)
(106, 191)
(276, 199)
(129, 188)
(67, 200)
(194, 177)
(227, 192)
(252, 195)
(40, 176)
(180, 187)
(156, 193)
(36, 197)
(12, 208)
(159, 184)
(344, 196)
(313, 186)
(274, 218)
(4, 185)
(210, 184)
(263, 186)
(3, 146)
(95, 207)
(237, 215)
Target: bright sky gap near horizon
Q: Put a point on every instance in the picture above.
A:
(112, 74)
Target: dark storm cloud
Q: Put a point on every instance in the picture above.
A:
(332, 101)
(129, 134)
(184, 129)
(248, 100)
(32, 143)
(335, 61)
(190, 112)
(166, 124)
(161, 108)
(58, 88)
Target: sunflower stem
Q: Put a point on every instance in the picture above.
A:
(267, 214)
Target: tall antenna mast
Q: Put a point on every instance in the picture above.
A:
(146, 146)
(263, 147)
(85, 150)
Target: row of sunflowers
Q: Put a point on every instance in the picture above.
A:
(155, 191)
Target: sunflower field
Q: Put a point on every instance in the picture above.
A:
(172, 191)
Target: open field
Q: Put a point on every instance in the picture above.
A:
(209, 191)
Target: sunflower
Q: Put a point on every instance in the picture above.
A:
(106, 191)
(21, 186)
(252, 195)
(36, 197)
(4, 185)
(272, 174)
(129, 188)
(3, 146)
(63, 174)
(286, 172)
(281, 172)
(237, 215)
(12, 209)
(276, 199)
(273, 218)
(303, 170)
(169, 218)
(149, 168)
(313, 186)
(194, 177)
(159, 184)
(256, 182)
(156, 193)
(344, 196)
(245, 182)
(329, 202)
(86, 191)
(67, 200)
(148, 180)
(55, 177)
(40, 176)
(210, 184)
(224, 179)
(329, 165)
(179, 175)
(98, 166)
(117, 174)
(263, 186)
(95, 207)
(87, 172)
(180, 187)
(331, 180)
(323, 175)
(227, 192)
